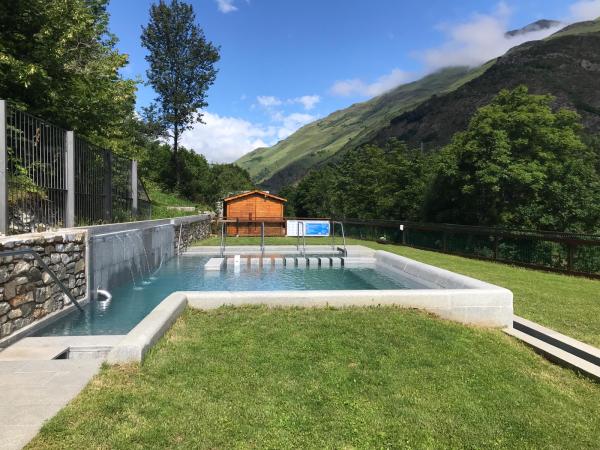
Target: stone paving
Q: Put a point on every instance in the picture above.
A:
(34, 386)
(34, 391)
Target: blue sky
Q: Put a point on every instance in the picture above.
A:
(285, 63)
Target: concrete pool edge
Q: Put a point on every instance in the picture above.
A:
(145, 334)
(462, 299)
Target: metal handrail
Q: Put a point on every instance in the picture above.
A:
(333, 222)
(298, 238)
(262, 238)
(222, 239)
(38, 258)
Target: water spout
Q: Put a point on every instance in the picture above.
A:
(107, 295)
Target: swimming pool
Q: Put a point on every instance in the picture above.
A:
(132, 302)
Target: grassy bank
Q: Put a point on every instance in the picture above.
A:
(162, 203)
(354, 378)
(566, 304)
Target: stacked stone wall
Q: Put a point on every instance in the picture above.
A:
(191, 232)
(27, 292)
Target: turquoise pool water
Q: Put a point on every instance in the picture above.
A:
(131, 303)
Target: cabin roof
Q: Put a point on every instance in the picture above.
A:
(256, 191)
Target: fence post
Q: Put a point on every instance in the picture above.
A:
(70, 178)
(3, 171)
(570, 256)
(108, 186)
(134, 188)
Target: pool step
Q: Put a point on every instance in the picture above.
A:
(215, 264)
(557, 347)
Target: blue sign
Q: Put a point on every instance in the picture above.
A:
(316, 228)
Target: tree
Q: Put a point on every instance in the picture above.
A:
(519, 164)
(181, 70)
(58, 60)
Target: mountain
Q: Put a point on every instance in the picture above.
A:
(429, 111)
(533, 27)
(319, 140)
(566, 65)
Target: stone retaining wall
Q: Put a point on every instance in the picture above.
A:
(27, 292)
(190, 232)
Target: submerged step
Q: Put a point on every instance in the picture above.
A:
(556, 354)
(290, 262)
(358, 261)
(336, 261)
(301, 262)
(325, 262)
(214, 264)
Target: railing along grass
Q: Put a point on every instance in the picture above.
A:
(349, 378)
(570, 305)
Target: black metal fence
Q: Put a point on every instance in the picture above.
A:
(36, 181)
(576, 254)
(53, 179)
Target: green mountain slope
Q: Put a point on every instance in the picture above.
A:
(566, 65)
(318, 141)
(429, 111)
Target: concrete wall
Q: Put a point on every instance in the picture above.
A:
(27, 292)
(132, 252)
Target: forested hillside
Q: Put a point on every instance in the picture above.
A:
(519, 163)
(427, 113)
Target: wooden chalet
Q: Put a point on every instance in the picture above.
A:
(246, 212)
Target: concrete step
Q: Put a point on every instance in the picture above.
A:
(556, 354)
(566, 343)
(214, 264)
(358, 261)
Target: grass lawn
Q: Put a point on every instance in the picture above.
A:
(352, 378)
(570, 305)
(161, 200)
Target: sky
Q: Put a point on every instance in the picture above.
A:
(286, 63)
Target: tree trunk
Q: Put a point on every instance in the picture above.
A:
(176, 157)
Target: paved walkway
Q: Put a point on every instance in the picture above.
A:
(34, 391)
(34, 386)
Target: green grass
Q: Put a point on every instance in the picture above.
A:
(320, 140)
(161, 200)
(570, 305)
(351, 378)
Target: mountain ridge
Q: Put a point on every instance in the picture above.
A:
(428, 111)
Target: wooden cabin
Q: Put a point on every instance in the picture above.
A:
(247, 211)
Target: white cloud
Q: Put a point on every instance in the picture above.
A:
(268, 101)
(308, 101)
(585, 10)
(479, 39)
(383, 84)
(225, 139)
(226, 6)
(288, 124)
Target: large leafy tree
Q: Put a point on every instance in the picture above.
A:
(519, 163)
(182, 68)
(58, 60)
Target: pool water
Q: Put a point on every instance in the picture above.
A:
(132, 302)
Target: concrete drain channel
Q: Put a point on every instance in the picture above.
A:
(84, 353)
(557, 347)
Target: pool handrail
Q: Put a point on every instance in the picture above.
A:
(333, 222)
(38, 258)
(298, 238)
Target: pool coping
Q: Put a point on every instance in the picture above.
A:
(462, 299)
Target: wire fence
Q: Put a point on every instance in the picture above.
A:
(36, 156)
(571, 253)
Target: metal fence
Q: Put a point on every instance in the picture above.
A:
(576, 254)
(51, 178)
